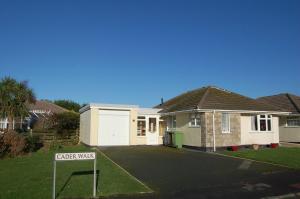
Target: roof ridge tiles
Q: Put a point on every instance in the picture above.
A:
(290, 97)
(203, 98)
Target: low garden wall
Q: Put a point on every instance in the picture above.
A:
(66, 137)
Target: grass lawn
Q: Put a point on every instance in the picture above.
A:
(282, 155)
(30, 177)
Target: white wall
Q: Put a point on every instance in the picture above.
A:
(249, 137)
(85, 127)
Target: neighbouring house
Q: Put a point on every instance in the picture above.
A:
(208, 118)
(211, 117)
(289, 125)
(38, 115)
(116, 124)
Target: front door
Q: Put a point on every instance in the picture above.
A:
(152, 131)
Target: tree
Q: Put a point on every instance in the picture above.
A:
(66, 121)
(14, 96)
(68, 104)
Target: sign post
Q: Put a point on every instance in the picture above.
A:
(72, 157)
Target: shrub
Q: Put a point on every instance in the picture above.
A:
(54, 146)
(34, 143)
(14, 144)
(3, 147)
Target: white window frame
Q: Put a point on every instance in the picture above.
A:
(193, 117)
(293, 119)
(229, 130)
(258, 119)
(3, 123)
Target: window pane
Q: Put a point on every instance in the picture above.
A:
(192, 122)
(141, 128)
(262, 124)
(141, 117)
(269, 125)
(254, 123)
(174, 122)
(198, 122)
(152, 124)
(162, 127)
(262, 116)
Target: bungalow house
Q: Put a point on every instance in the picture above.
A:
(289, 125)
(38, 114)
(212, 117)
(208, 118)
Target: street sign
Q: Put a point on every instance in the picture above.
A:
(71, 157)
(75, 156)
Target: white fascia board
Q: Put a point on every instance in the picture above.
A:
(229, 111)
(148, 111)
(107, 106)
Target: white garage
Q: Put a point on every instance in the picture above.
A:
(113, 127)
(119, 125)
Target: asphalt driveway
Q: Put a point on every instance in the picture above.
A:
(173, 173)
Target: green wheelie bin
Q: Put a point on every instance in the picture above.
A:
(177, 139)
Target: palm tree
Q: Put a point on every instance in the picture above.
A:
(14, 96)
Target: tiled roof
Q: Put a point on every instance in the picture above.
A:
(211, 97)
(46, 106)
(284, 101)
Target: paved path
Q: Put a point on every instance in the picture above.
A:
(173, 173)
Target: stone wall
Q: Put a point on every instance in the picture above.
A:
(223, 139)
(203, 130)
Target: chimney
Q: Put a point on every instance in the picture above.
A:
(161, 101)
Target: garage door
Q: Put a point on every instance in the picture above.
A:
(113, 128)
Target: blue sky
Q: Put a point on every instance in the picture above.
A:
(139, 51)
